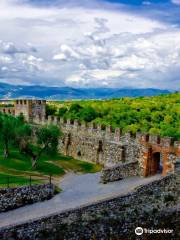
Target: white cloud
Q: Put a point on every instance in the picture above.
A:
(5, 59)
(86, 46)
(60, 56)
(4, 68)
(176, 2)
(143, 61)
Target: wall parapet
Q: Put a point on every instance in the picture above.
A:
(119, 171)
(108, 132)
(84, 222)
(11, 198)
(7, 110)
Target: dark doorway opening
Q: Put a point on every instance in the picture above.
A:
(156, 166)
(67, 142)
(99, 155)
(123, 154)
(100, 146)
(79, 153)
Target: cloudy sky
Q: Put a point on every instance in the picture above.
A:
(90, 43)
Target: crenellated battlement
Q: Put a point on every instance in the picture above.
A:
(165, 142)
(88, 128)
(107, 132)
(7, 110)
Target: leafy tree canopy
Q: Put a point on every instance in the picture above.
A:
(155, 115)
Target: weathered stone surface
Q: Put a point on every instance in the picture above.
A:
(149, 206)
(97, 145)
(11, 198)
(92, 143)
(119, 171)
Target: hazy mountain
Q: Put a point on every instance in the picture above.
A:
(61, 93)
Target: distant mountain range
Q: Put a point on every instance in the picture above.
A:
(63, 93)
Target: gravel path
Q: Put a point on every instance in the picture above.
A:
(77, 190)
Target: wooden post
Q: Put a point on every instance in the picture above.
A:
(30, 181)
(8, 181)
(50, 180)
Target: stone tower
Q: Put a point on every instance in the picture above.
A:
(30, 108)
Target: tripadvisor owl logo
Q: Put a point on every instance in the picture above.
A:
(139, 231)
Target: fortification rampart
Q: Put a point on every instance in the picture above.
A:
(105, 145)
(7, 110)
(30, 108)
(109, 147)
(107, 132)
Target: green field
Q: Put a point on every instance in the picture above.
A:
(18, 168)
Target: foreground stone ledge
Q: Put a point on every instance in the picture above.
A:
(112, 218)
(12, 198)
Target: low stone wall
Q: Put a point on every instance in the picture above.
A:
(119, 171)
(149, 206)
(11, 198)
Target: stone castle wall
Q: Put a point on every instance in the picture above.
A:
(119, 171)
(7, 110)
(114, 218)
(30, 108)
(93, 143)
(11, 198)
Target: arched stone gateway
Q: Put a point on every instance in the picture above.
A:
(158, 156)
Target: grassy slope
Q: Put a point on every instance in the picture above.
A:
(18, 167)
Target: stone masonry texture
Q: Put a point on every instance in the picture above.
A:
(11, 198)
(119, 171)
(90, 142)
(153, 206)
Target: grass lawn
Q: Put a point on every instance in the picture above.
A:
(18, 167)
(14, 181)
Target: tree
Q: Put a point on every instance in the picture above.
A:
(156, 115)
(7, 132)
(154, 131)
(50, 110)
(88, 114)
(62, 111)
(133, 128)
(75, 108)
(23, 136)
(45, 139)
(74, 111)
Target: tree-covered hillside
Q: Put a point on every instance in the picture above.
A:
(156, 115)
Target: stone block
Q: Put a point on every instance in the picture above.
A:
(154, 139)
(166, 141)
